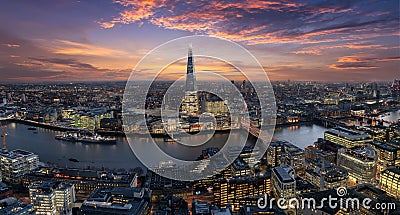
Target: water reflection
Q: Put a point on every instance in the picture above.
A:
(302, 136)
(120, 154)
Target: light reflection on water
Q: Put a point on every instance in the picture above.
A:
(121, 156)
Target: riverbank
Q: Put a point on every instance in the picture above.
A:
(43, 125)
(285, 125)
(65, 129)
(122, 134)
(100, 132)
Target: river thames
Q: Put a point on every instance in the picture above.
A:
(43, 142)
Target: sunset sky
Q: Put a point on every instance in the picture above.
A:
(322, 40)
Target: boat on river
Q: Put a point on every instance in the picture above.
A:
(92, 139)
(70, 137)
(95, 138)
(171, 139)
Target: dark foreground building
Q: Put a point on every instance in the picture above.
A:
(117, 200)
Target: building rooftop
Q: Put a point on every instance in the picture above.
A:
(250, 210)
(395, 170)
(79, 174)
(376, 195)
(17, 153)
(221, 211)
(239, 164)
(201, 208)
(246, 178)
(116, 200)
(385, 146)
(366, 153)
(304, 186)
(360, 192)
(347, 133)
(13, 206)
(284, 173)
(330, 170)
(318, 196)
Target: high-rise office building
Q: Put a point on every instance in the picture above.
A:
(390, 182)
(346, 137)
(52, 197)
(295, 157)
(274, 153)
(282, 152)
(16, 163)
(217, 108)
(360, 162)
(325, 175)
(191, 102)
(313, 153)
(190, 75)
(388, 155)
(284, 182)
(239, 191)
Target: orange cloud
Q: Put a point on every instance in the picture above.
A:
(274, 69)
(317, 50)
(350, 66)
(359, 62)
(205, 19)
(71, 69)
(350, 59)
(11, 45)
(107, 24)
(235, 20)
(67, 47)
(311, 51)
(28, 64)
(137, 11)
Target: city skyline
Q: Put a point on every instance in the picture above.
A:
(71, 41)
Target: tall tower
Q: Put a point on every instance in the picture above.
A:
(191, 103)
(190, 77)
(395, 88)
(3, 137)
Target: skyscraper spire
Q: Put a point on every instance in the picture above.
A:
(190, 76)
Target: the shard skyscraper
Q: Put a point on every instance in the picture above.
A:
(190, 76)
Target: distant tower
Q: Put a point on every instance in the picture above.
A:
(9, 97)
(3, 137)
(23, 97)
(190, 77)
(191, 102)
(395, 88)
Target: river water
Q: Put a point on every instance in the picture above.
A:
(120, 155)
(391, 116)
